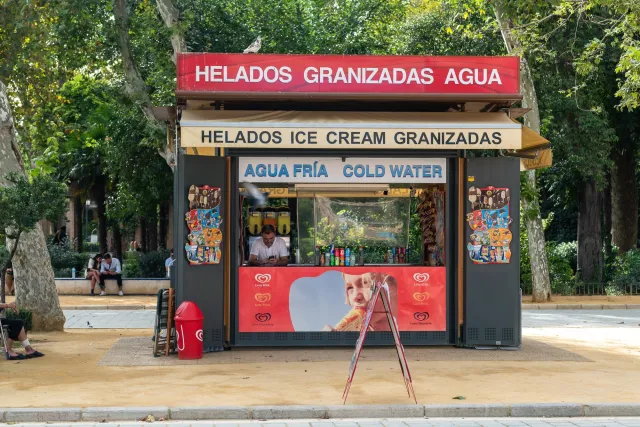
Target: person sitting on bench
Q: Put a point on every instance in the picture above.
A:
(93, 271)
(16, 332)
(110, 269)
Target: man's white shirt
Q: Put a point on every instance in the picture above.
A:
(278, 249)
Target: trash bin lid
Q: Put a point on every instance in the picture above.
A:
(188, 311)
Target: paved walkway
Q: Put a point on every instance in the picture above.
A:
(134, 319)
(109, 319)
(414, 422)
(581, 318)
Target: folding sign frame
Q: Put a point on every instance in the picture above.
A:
(380, 290)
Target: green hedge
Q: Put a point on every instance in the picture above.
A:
(134, 264)
(150, 264)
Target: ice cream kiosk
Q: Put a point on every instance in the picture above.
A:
(369, 171)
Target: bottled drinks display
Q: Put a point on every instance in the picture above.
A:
(332, 256)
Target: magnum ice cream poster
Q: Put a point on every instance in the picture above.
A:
(321, 299)
(490, 236)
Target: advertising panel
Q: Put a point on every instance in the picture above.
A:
(308, 299)
(219, 72)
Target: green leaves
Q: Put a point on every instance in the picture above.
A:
(24, 203)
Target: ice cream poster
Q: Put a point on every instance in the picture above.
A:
(336, 299)
(489, 223)
(204, 240)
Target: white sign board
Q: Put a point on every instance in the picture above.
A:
(336, 170)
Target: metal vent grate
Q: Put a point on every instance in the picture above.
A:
(473, 334)
(385, 336)
(405, 336)
(245, 335)
(281, 336)
(422, 336)
(316, 336)
(216, 334)
(438, 336)
(334, 336)
(507, 334)
(490, 334)
(351, 335)
(263, 336)
(299, 336)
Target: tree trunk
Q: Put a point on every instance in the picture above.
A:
(152, 232)
(624, 194)
(163, 224)
(117, 241)
(99, 195)
(171, 17)
(530, 202)
(34, 284)
(135, 85)
(606, 206)
(589, 233)
(144, 236)
(77, 221)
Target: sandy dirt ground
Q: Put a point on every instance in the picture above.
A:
(69, 375)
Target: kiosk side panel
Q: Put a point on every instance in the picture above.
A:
(492, 302)
(202, 284)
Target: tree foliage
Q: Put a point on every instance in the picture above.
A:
(23, 203)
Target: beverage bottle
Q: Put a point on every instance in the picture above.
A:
(347, 257)
(341, 256)
(316, 256)
(361, 255)
(390, 256)
(73, 273)
(353, 259)
(327, 258)
(333, 255)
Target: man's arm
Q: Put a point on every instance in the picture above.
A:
(118, 267)
(102, 267)
(253, 260)
(283, 260)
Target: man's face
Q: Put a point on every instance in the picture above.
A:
(108, 261)
(268, 239)
(358, 294)
(172, 256)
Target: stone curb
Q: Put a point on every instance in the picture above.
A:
(100, 414)
(547, 410)
(580, 306)
(494, 410)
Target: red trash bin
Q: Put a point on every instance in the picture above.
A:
(189, 320)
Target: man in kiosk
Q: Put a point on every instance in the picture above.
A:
(270, 250)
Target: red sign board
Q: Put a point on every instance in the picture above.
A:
(307, 299)
(218, 72)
